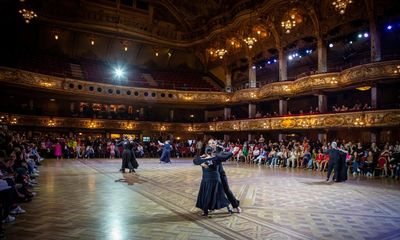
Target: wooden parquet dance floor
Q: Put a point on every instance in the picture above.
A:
(90, 199)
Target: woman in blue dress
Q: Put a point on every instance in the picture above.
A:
(165, 152)
(211, 194)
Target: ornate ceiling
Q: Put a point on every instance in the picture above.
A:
(191, 27)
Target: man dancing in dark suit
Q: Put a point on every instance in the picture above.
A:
(218, 151)
(336, 163)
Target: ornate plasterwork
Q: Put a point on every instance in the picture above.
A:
(363, 74)
(337, 120)
(379, 118)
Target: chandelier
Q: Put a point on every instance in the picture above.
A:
(233, 43)
(260, 31)
(220, 52)
(250, 41)
(28, 15)
(341, 5)
(290, 20)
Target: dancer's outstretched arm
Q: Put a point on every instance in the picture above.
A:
(222, 156)
(201, 159)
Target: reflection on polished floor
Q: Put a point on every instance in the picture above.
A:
(90, 199)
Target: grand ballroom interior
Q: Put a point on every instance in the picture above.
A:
(107, 108)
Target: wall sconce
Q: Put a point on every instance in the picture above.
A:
(265, 125)
(13, 121)
(46, 84)
(51, 123)
(92, 125)
(359, 122)
(397, 70)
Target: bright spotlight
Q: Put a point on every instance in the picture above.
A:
(118, 72)
(360, 35)
(290, 57)
(366, 35)
(389, 27)
(330, 45)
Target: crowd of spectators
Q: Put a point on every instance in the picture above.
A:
(362, 159)
(20, 157)
(19, 161)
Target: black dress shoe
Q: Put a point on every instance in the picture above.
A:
(230, 211)
(205, 213)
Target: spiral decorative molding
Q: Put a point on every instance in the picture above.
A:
(359, 75)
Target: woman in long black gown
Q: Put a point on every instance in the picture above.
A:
(211, 194)
(128, 156)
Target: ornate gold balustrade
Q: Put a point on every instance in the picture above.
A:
(367, 119)
(360, 75)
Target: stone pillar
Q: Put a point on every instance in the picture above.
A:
(226, 138)
(322, 56)
(375, 43)
(282, 65)
(171, 115)
(281, 137)
(322, 137)
(31, 104)
(252, 110)
(374, 136)
(374, 97)
(228, 84)
(250, 137)
(252, 76)
(283, 107)
(206, 116)
(227, 113)
(141, 113)
(107, 108)
(374, 33)
(72, 107)
(322, 103)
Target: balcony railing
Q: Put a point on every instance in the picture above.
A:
(361, 119)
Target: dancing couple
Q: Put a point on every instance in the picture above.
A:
(337, 163)
(128, 155)
(165, 151)
(214, 184)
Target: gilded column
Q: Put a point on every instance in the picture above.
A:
(374, 97)
(282, 65)
(252, 75)
(322, 103)
(227, 113)
(374, 33)
(283, 109)
(322, 56)
(252, 110)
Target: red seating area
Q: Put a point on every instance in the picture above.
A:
(46, 64)
(182, 81)
(98, 71)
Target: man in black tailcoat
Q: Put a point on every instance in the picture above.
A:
(220, 153)
(337, 161)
